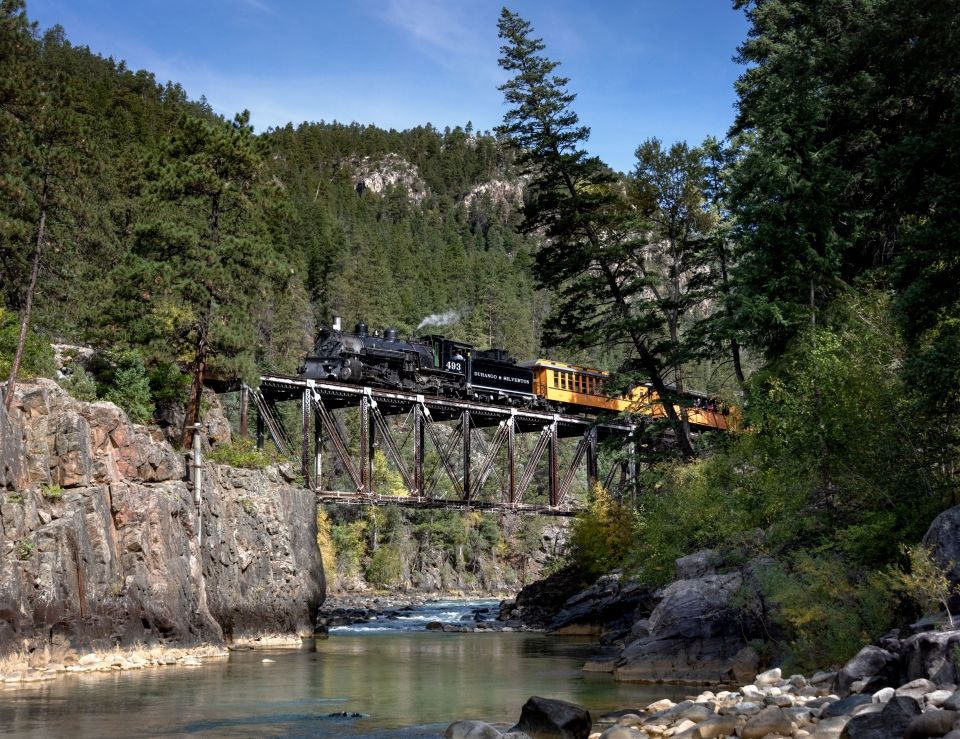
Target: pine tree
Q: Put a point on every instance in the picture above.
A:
(43, 156)
(594, 241)
(203, 260)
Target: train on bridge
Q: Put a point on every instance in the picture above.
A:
(436, 365)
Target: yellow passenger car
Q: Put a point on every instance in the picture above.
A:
(575, 386)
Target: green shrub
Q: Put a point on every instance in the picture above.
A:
(80, 384)
(349, 542)
(168, 384)
(601, 538)
(385, 480)
(51, 492)
(25, 549)
(126, 384)
(241, 453)
(385, 568)
(37, 361)
(926, 583)
(16, 497)
(827, 610)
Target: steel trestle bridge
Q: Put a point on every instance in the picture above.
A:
(442, 452)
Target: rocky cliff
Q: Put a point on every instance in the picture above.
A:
(101, 540)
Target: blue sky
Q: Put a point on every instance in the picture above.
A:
(640, 68)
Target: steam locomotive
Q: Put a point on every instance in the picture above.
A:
(430, 364)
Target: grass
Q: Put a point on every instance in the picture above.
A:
(25, 549)
(241, 453)
(51, 492)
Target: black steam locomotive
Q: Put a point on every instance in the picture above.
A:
(428, 364)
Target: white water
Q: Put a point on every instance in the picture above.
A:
(446, 611)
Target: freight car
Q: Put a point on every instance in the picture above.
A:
(436, 365)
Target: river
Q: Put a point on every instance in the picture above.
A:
(388, 678)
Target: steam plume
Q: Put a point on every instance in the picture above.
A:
(440, 319)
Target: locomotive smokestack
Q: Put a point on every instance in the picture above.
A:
(336, 323)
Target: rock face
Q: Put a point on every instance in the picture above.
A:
(101, 540)
(379, 175)
(943, 541)
(693, 633)
(607, 608)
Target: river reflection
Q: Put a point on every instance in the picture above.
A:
(411, 683)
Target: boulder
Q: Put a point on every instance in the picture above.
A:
(471, 730)
(943, 541)
(716, 727)
(622, 732)
(845, 705)
(890, 723)
(697, 564)
(549, 718)
(607, 606)
(930, 655)
(771, 720)
(693, 634)
(872, 667)
(916, 689)
(931, 723)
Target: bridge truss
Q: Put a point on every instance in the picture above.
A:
(440, 452)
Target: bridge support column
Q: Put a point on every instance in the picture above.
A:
(591, 459)
(317, 451)
(467, 460)
(632, 467)
(418, 439)
(261, 430)
(366, 447)
(305, 413)
(511, 459)
(553, 451)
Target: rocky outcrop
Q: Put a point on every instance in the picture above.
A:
(101, 539)
(607, 608)
(379, 175)
(693, 634)
(943, 541)
(537, 604)
(500, 192)
(696, 629)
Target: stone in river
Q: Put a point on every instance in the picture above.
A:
(471, 730)
(544, 718)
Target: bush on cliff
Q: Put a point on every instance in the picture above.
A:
(601, 537)
(37, 355)
(824, 611)
(241, 453)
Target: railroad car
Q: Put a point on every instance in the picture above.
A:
(577, 388)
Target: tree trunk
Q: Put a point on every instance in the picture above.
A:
(31, 288)
(196, 388)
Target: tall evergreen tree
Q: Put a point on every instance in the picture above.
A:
(593, 238)
(203, 260)
(43, 155)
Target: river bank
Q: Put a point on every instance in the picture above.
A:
(771, 706)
